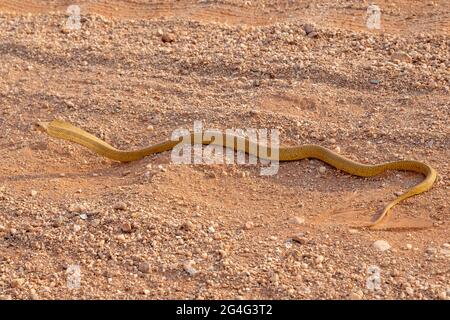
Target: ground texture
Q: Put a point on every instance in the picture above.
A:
(137, 70)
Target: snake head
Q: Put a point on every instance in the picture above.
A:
(42, 126)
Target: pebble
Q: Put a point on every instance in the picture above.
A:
(144, 267)
(299, 239)
(358, 295)
(319, 259)
(126, 227)
(249, 225)
(408, 246)
(381, 245)
(187, 266)
(121, 237)
(401, 57)
(78, 208)
(168, 37)
(17, 283)
(322, 169)
(298, 220)
(120, 206)
(409, 291)
(188, 226)
(33, 193)
(308, 28)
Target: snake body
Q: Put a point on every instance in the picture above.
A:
(66, 131)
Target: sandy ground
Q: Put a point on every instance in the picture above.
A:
(137, 70)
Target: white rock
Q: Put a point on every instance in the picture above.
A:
(298, 220)
(381, 245)
(409, 291)
(187, 266)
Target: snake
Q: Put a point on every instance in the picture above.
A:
(66, 131)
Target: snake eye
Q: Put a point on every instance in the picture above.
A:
(42, 126)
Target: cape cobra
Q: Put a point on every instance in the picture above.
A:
(66, 131)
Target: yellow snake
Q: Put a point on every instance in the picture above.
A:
(66, 131)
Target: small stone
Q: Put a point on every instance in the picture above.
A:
(353, 231)
(401, 57)
(121, 238)
(168, 37)
(17, 283)
(76, 227)
(275, 278)
(431, 250)
(357, 295)
(126, 227)
(374, 81)
(442, 295)
(83, 216)
(408, 246)
(78, 208)
(298, 220)
(33, 193)
(120, 206)
(313, 34)
(146, 292)
(337, 149)
(409, 291)
(299, 239)
(249, 225)
(223, 253)
(308, 28)
(187, 226)
(150, 128)
(144, 267)
(319, 259)
(211, 229)
(381, 245)
(187, 266)
(322, 169)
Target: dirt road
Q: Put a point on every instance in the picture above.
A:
(74, 225)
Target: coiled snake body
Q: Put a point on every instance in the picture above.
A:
(66, 131)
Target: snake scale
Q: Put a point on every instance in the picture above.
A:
(66, 131)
